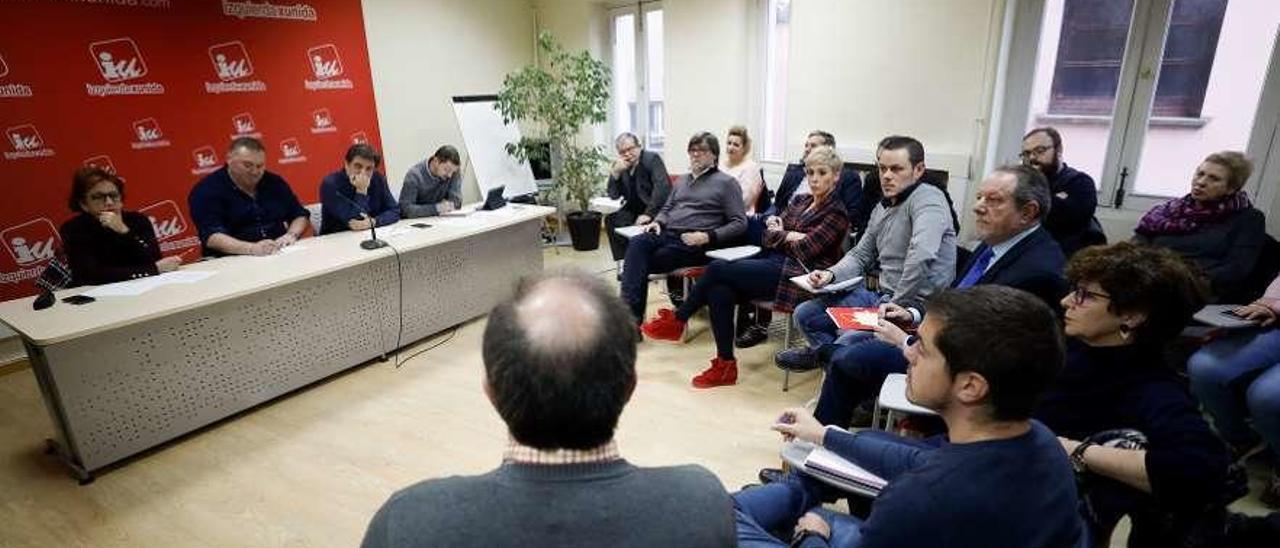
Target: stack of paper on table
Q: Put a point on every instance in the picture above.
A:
(803, 281)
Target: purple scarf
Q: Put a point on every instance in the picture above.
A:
(1185, 215)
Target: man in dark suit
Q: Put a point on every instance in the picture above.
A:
(1074, 195)
(640, 178)
(1016, 251)
(848, 187)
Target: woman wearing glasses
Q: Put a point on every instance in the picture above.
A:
(1165, 468)
(105, 243)
(1214, 226)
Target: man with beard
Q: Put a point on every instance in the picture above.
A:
(1075, 197)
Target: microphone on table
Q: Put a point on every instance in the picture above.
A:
(373, 242)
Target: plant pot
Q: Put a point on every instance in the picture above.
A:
(584, 229)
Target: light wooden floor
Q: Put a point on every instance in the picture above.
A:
(311, 468)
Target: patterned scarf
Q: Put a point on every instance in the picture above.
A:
(1184, 215)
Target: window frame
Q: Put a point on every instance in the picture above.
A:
(642, 107)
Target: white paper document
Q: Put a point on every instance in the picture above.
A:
(628, 232)
(823, 461)
(803, 281)
(183, 277)
(133, 288)
(605, 204)
(734, 253)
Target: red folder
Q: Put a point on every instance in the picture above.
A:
(848, 317)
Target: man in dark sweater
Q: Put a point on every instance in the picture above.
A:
(1075, 197)
(705, 211)
(357, 197)
(639, 178)
(559, 367)
(243, 209)
(982, 359)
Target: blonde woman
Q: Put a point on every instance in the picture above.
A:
(740, 166)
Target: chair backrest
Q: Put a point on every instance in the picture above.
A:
(765, 199)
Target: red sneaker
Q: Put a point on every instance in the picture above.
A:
(721, 373)
(665, 327)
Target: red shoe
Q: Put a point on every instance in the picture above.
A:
(721, 373)
(665, 327)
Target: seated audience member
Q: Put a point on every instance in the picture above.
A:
(243, 209)
(105, 243)
(910, 239)
(1075, 196)
(433, 186)
(1215, 226)
(739, 165)
(809, 232)
(559, 365)
(983, 356)
(703, 212)
(639, 177)
(357, 196)
(1129, 302)
(848, 187)
(1238, 381)
(1016, 251)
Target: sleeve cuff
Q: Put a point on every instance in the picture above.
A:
(916, 317)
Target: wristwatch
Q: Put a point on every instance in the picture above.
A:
(803, 534)
(1077, 457)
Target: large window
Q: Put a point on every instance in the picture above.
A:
(777, 34)
(1092, 47)
(637, 73)
(1142, 91)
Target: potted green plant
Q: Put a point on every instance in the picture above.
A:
(553, 101)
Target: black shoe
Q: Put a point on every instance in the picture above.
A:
(862, 415)
(771, 475)
(751, 336)
(797, 359)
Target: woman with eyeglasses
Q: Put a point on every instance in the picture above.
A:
(104, 243)
(1214, 226)
(1132, 430)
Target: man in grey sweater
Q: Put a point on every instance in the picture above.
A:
(559, 368)
(433, 186)
(910, 239)
(705, 211)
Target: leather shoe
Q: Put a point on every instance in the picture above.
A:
(797, 359)
(751, 336)
(771, 475)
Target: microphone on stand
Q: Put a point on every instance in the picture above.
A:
(373, 242)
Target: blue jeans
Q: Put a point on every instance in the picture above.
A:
(1237, 379)
(856, 373)
(647, 254)
(777, 507)
(812, 319)
(726, 284)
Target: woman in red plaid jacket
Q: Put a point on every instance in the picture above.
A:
(807, 236)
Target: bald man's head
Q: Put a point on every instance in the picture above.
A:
(560, 361)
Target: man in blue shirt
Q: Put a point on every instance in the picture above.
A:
(983, 357)
(243, 209)
(357, 196)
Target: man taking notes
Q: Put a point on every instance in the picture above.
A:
(983, 357)
(357, 197)
(243, 209)
(559, 366)
(432, 186)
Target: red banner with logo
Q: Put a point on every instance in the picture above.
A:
(154, 90)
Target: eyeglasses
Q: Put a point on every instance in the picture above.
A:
(1035, 151)
(627, 149)
(1080, 294)
(699, 150)
(102, 197)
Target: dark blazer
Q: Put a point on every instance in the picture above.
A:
(848, 188)
(645, 188)
(1034, 265)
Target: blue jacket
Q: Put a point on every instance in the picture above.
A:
(336, 212)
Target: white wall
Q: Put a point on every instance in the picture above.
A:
(706, 62)
(422, 53)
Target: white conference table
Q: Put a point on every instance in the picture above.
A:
(124, 374)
